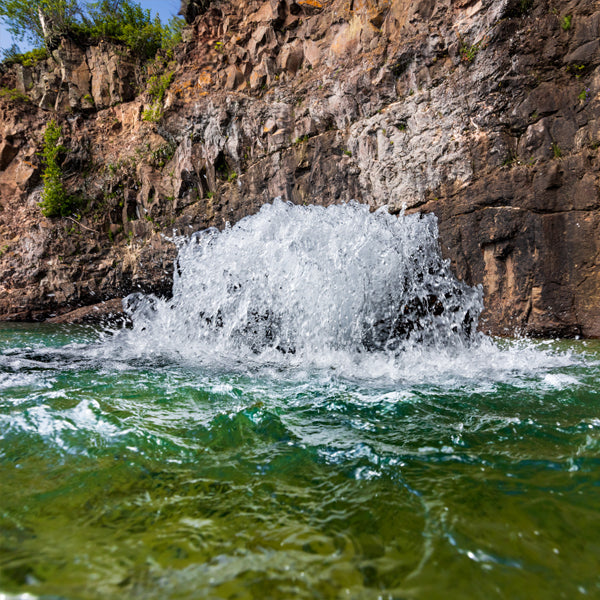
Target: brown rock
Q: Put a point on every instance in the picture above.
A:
(584, 54)
(312, 53)
(103, 312)
(234, 78)
(7, 153)
(258, 77)
(497, 133)
(290, 58)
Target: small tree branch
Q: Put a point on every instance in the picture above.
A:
(80, 224)
(43, 22)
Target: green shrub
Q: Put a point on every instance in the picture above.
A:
(40, 21)
(468, 53)
(13, 94)
(43, 22)
(584, 95)
(158, 85)
(171, 34)
(55, 201)
(12, 56)
(127, 22)
(153, 114)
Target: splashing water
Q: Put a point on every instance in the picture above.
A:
(311, 281)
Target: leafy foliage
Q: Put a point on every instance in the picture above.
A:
(153, 114)
(566, 22)
(13, 56)
(55, 201)
(40, 21)
(33, 20)
(13, 94)
(468, 53)
(127, 22)
(171, 34)
(157, 87)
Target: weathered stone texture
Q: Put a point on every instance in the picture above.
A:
(485, 112)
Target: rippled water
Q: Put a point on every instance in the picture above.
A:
(133, 477)
(312, 415)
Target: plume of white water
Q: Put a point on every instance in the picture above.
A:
(307, 281)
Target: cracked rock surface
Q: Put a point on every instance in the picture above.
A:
(485, 112)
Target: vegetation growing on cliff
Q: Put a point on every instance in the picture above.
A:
(13, 94)
(43, 22)
(55, 201)
(157, 87)
(127, 22)
(13, 55)
(39, 20)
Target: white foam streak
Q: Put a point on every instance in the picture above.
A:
(52, 424)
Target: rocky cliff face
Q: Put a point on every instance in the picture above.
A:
(484, 112)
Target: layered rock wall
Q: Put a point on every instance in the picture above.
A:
(484, 112)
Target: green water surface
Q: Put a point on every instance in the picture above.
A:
(138, 478)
